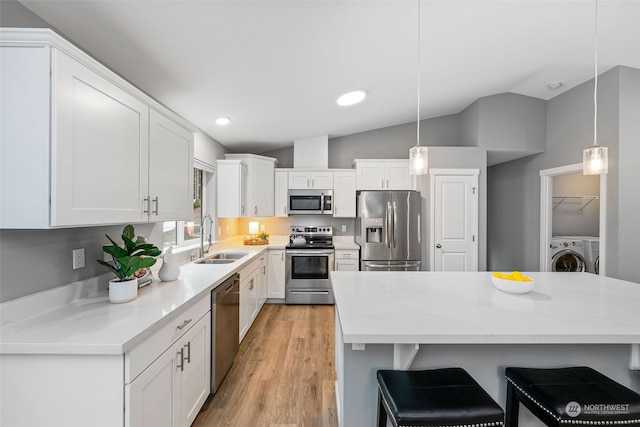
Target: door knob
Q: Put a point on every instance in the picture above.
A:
(438, 246)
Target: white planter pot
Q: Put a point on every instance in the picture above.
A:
(123, 291)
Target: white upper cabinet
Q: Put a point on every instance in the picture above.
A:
(317, 180)
(232, 188)
(260, 188)
(383, 174)
(281, 187)
(78, 146)
(170, 169)
(344, 194)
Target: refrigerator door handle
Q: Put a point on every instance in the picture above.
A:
(388, 225)
(395, 224)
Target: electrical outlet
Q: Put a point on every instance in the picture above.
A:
(78, 258)
(344, 227)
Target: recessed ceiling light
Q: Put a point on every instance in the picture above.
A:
(223, 121)
(554, 85)
(351, 98)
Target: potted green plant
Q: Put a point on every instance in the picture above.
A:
(127, 260)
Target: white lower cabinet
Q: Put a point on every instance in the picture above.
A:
(347, 260)
(275, 274)
(172, 389)
(250, 298)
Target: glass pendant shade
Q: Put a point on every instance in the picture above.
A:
(418, 160)
(595, 160)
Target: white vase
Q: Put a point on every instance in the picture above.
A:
(169, 270)
(123, 291)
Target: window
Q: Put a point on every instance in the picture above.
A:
(179, 233)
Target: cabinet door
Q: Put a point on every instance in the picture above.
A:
(347, 265)
(370, 176)
(299, 180)
(397, 176)
(232, 188)
(263, 170)
(150, 398)
(99, 149)
(344, 194)
(321, 180)
(281, 187)
(275, 274)
(262, 289)
(170, 169)
(195, 374)
(247, 302)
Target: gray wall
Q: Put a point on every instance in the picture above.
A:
(391, 142)
(576, 217)
(627, 263)
(36, 260)
(14, 14)
(514, 187)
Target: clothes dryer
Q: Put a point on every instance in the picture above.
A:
(591, 247)
(567, 254)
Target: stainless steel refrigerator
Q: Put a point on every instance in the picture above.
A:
(388, 230)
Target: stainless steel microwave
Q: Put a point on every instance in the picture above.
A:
(310, 202)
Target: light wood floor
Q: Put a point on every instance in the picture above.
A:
(283, 375)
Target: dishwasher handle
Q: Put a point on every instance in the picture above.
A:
(232, 284)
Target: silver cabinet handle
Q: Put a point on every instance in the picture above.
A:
(438, 246)
(255, 210)
(147, 201)
(307, 183)
(185, 323)
(155, 200)
(387, 183)
(282, 256)
(181, 362)
(188, 347)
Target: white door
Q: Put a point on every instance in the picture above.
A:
(454, 221)
(344, 194)
(196, 372)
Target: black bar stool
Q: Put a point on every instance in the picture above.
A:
(437, 397)
(575, 395)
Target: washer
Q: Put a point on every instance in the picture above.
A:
(567, 254)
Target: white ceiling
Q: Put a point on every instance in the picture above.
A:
(277, 67)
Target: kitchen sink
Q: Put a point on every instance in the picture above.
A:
(222, 258)
(215, 261)
(228, 255)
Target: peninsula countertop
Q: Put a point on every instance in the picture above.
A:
(465, 308)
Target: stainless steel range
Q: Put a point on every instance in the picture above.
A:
(309, 259)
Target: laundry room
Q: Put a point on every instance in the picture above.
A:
(575, 223)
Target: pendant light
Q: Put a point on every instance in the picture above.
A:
(595, 159)
(418, 156)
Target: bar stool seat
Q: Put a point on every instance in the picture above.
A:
(575, 395)
(437, 397)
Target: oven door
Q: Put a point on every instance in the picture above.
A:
(307, 276)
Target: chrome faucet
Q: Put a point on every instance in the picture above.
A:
(202, 227)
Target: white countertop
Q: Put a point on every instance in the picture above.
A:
(465, 308)
(345, 243)
(92, 325)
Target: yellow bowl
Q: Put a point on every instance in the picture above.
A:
(512, 286)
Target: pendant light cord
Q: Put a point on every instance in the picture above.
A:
(595, 82)
(419, 75)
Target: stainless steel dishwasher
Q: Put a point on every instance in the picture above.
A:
(225, 324)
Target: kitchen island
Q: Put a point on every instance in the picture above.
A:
(413, 320)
